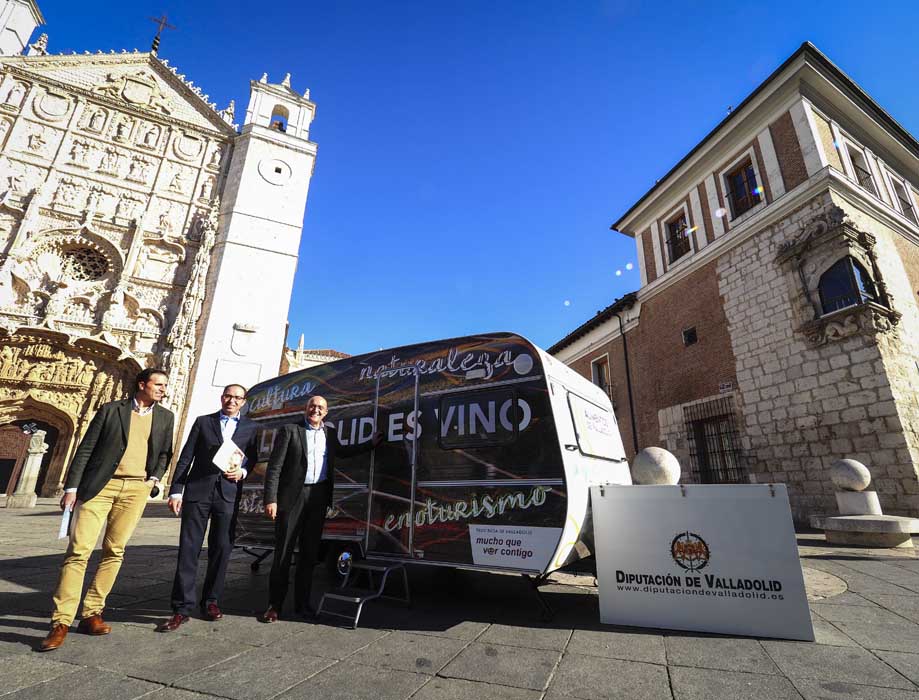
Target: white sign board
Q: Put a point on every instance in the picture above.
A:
(513, 546)
(697, 557)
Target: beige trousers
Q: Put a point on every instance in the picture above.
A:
(118, 508)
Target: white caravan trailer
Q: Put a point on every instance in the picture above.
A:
(490, 449)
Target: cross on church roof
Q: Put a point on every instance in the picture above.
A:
(161, 23)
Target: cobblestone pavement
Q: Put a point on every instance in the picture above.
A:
(468, 635)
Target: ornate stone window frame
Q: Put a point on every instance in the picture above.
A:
(822, 242)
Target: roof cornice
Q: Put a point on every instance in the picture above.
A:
(806, 55)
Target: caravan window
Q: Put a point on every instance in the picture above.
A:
(595, 427)
(480, 418)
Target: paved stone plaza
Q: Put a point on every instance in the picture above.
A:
(467, 636)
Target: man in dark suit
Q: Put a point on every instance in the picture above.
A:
(202, 492)
(299, 483)
(122, 456)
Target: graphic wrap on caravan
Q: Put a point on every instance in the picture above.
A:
(470, 471)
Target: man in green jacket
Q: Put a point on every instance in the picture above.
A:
(124, 453)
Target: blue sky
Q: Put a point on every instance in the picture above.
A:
(473, 155)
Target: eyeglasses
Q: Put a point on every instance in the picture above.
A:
(230, 397)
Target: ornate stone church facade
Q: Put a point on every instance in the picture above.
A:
(139, 226)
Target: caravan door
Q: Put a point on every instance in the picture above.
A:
(390, 507)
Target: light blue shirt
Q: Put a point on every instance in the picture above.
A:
(228, 426)
(316, 455)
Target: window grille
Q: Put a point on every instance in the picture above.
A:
(600, 370)
(906, 205)
(743, 191)
(846, 283)
(714, 445)
(862, 171)
(678, 243)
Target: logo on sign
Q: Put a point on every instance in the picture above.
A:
(689, 551)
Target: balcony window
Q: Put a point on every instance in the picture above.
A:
(845, 284)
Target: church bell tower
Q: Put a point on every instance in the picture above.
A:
(242, 330)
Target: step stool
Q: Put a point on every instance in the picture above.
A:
(358, 596)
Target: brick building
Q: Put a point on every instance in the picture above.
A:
(776, 329)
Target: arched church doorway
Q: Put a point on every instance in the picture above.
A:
(29, 415)
(52, 434)
(13, 446)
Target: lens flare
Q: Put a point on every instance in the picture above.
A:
(618, 273)
(629, 266)
(567, 302)
(721, 212)
(758, 190)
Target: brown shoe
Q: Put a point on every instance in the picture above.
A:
(55, 637)
(94, 625)
(211, 612)
(173, 623)
(270, 615)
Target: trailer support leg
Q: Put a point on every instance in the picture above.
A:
(260, 556)
(547, 613)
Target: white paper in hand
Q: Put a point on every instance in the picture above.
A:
(64, 530)
(228, 456)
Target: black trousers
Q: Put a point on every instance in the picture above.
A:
(300, 527)
(195, 517)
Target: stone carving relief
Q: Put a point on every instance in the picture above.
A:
(44, 364)
(179, 178)
(5, 126)
(167, 222)
(80, 310)
(15, 95)
(139, 169)
(51, 106)
(95, 119)
(44, 375)
(207, 188)
(122, 130)
(216, 158)
(130, 206)
(159, 260)
(70, 194)
(140, 89)
(187, 147)
(151, 136)
(37, 140)
(180, 354)
(17, 180)
(80, 153)
(111, 161)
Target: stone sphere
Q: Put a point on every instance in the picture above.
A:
(849, 475)
(655, 465)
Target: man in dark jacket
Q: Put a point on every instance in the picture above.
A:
(298, 489)
(201, 492)
(124, 453)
